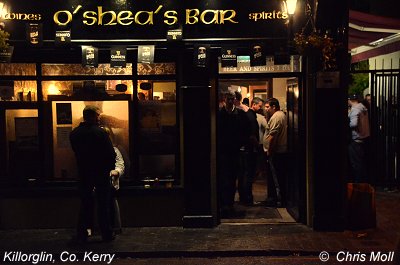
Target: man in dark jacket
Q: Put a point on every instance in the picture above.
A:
(95, 157)
(249, 153)
(232, 127)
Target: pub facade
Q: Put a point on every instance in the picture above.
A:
(157, 70)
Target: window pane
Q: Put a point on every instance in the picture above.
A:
(55, 89)
(78, 69)
(68, 114)
(22, 144)
(156, 69)
(23, 69)
(18, 90)
(158, 133)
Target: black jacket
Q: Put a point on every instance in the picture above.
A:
(94, 154)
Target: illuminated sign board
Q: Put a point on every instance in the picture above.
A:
(144, 19)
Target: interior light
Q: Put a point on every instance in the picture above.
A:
(53, 90)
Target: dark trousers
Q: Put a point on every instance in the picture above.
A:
(228, 172)
(277, 177)
(103, 196)
(357, 158)
(115, 213)
(248, 165)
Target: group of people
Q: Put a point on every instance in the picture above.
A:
(100, 165)
(244, 134)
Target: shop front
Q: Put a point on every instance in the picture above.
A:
(156, 70)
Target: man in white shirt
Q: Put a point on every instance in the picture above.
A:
(359, 126)
(275, 148)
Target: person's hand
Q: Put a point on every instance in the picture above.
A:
(114, 174)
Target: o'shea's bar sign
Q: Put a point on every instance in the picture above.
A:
(100, 16)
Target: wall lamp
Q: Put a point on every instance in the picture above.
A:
(290, 6)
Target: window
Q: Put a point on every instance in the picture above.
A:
(23, 158)
(67, 115)
(16, 83)
(157, 133)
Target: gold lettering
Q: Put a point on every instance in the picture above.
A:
(31, 16)
(231, 16)
(267, 15)
(57, 20)
(170, 17)
(125, 15)
(101, 15)
(189, 15)
(89, 18)
(149, 18)
(214, 18)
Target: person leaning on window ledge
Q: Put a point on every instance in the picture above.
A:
(95, 157)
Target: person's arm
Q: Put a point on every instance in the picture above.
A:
(274, 129)
(119, 164)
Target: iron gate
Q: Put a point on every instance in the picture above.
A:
(385, 120)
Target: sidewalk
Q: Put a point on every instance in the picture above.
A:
(224, 240)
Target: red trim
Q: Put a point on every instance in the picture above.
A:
(385, 49)
(373, 21)
(359, 38)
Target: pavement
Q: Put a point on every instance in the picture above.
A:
(228, 240)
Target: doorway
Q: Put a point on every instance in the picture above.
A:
(286, 90)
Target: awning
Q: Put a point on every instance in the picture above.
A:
(372, 35)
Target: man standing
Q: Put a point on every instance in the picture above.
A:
(249, 153)
(95, 157)
(232, 126)
(275, 148)
(359, 126)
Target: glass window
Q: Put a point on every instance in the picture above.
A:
(156, 68)
(23, 158)
(18, 90)
(68, 114)
(158, 134)
(18, 69)
(78, 69)
(53, 90)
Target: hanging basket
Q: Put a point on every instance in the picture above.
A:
(319, 45)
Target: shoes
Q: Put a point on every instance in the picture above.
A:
(274, 203)
(231, 213)
(271, 202)
(247, 203)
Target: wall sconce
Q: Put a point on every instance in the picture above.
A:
(3, 12)
(4, 9)
(290, 6)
